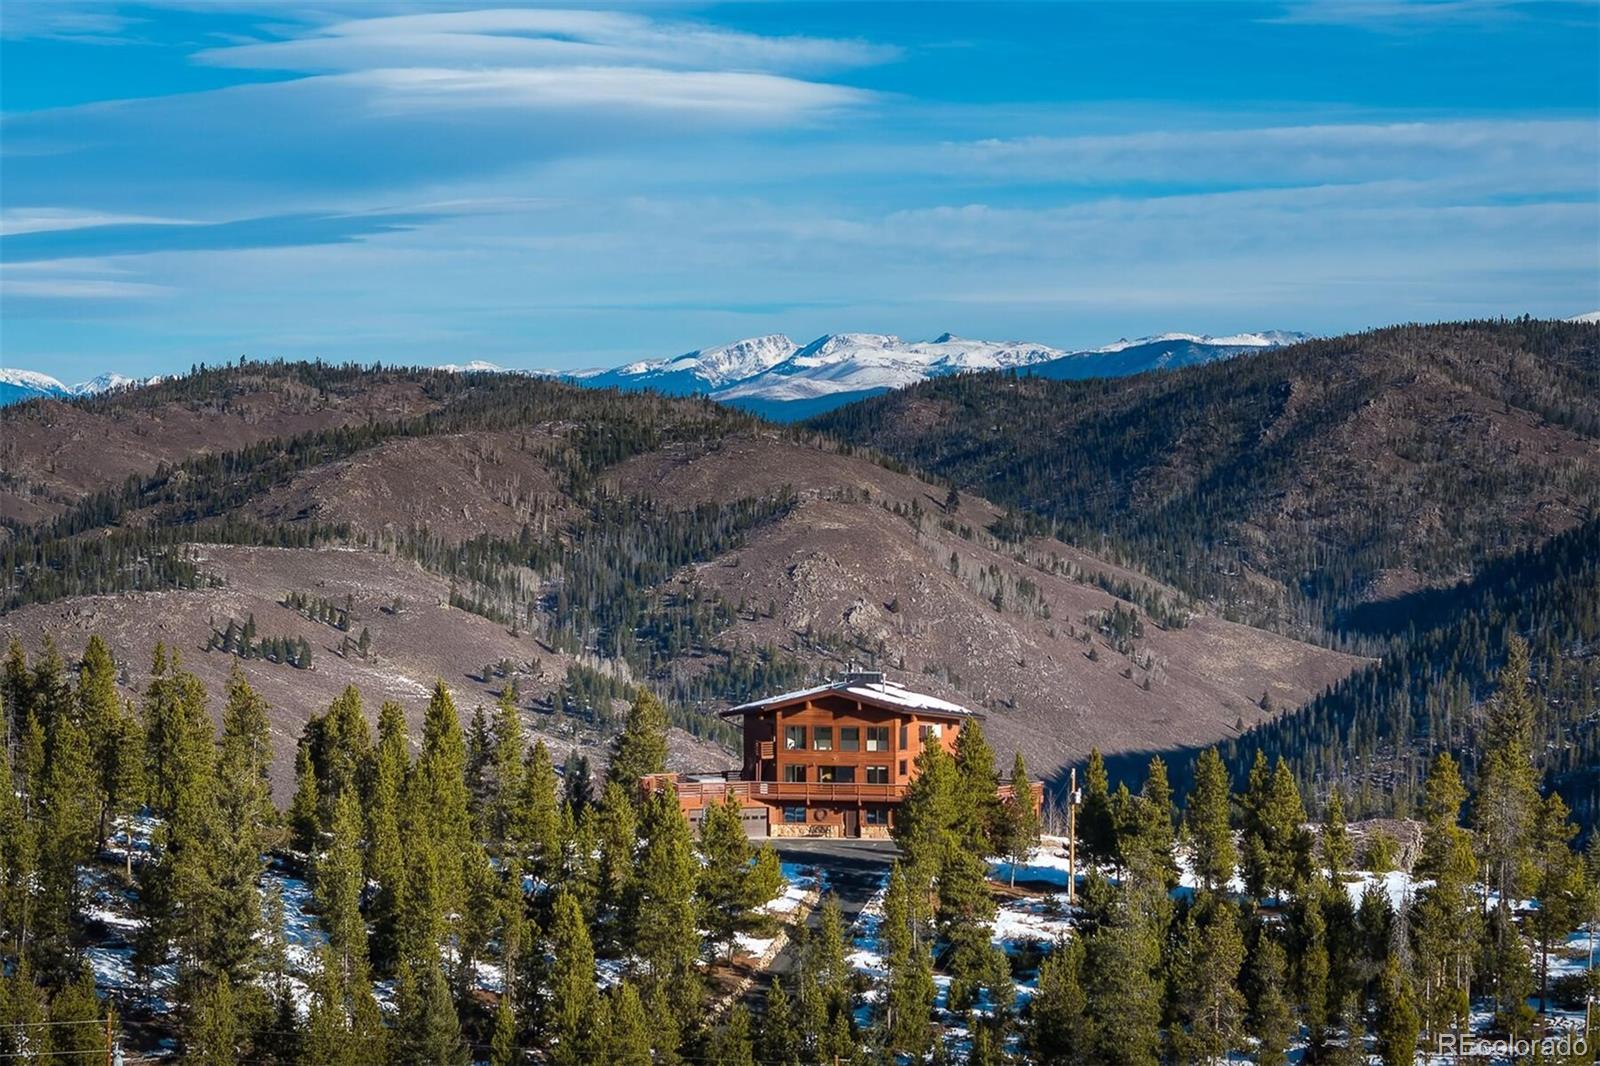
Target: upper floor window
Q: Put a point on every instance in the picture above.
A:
(877, 775)
(849, 738)
(822, 737)
(793, 773)
(794, 737)
(903, 742)
(836, 775)
(930, 732)
(877, 738)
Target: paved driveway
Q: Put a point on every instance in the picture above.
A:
(853, 870)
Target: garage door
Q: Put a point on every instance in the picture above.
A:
(755, 821)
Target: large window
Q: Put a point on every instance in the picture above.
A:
(930, 732)
(877, 738)
(794, 815)
(794, 738)
(877, 775)
(836, 775)
(849, 738)
(877, 816)
(822, 737)
(794, 773)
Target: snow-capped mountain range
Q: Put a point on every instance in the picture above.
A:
(777, 377)
(781, 379)
(19, 385)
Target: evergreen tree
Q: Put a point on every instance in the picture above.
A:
(572, 998)
(1338, 854)
(730, 1046)
(978, 801)
(244, 811)
(1561, 883)
(429, 1030)
(615, 827)
(1097, 830)
(1019, 822)
(78, 1022)
(630, 1028)
(107, 725)
(1270, 1017)
(1398, 1023)
(1507, 801)
(1276, 848)
(1210, 840)
(1211, 1007)
(1447, 917)
(442, 803)
(666, 940)
(577, 782)
(539, 815)
(777, 1042)
(212, 1030)
(504, 778)
(641, 747)
(503, 1050)
(384, 857)
(1123, 997)
(1310, 941)
(1060, 1031)
(338, 882)
(725, 858)
(66, 811)
(909, 996)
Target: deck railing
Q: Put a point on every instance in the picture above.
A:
(697, 787)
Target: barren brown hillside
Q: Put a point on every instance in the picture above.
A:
(425, 641)
(599, 541)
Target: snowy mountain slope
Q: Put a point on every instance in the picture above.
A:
(779, 379)
(702, 370)
(855, 362)
(17, 386)
(1168, 351)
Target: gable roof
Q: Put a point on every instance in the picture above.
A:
(869, 689)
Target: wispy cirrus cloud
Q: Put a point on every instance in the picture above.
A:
(543, 38)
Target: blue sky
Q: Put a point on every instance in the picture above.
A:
(567, 187)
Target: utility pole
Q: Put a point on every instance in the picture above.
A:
(1072, 837)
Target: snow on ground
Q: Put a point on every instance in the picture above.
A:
(1043, 920)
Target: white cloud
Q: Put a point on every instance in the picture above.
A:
(709, 94)
(19, 220)
(78, 289)
(541, 38)
(1529, 152)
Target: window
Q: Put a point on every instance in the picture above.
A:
(877, 775)
(877, 816)
(877, 738)
(930, 732)
(822, 737)
(902, 768)
(794, 738)
(903, 743)
(792, 773)
(794, 815)
(849, 738)
(836, 775)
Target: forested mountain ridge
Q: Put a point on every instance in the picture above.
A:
(496, 529)
(1293, 486)
(1375, 733)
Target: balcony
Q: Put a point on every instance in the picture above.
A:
(696, 790)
